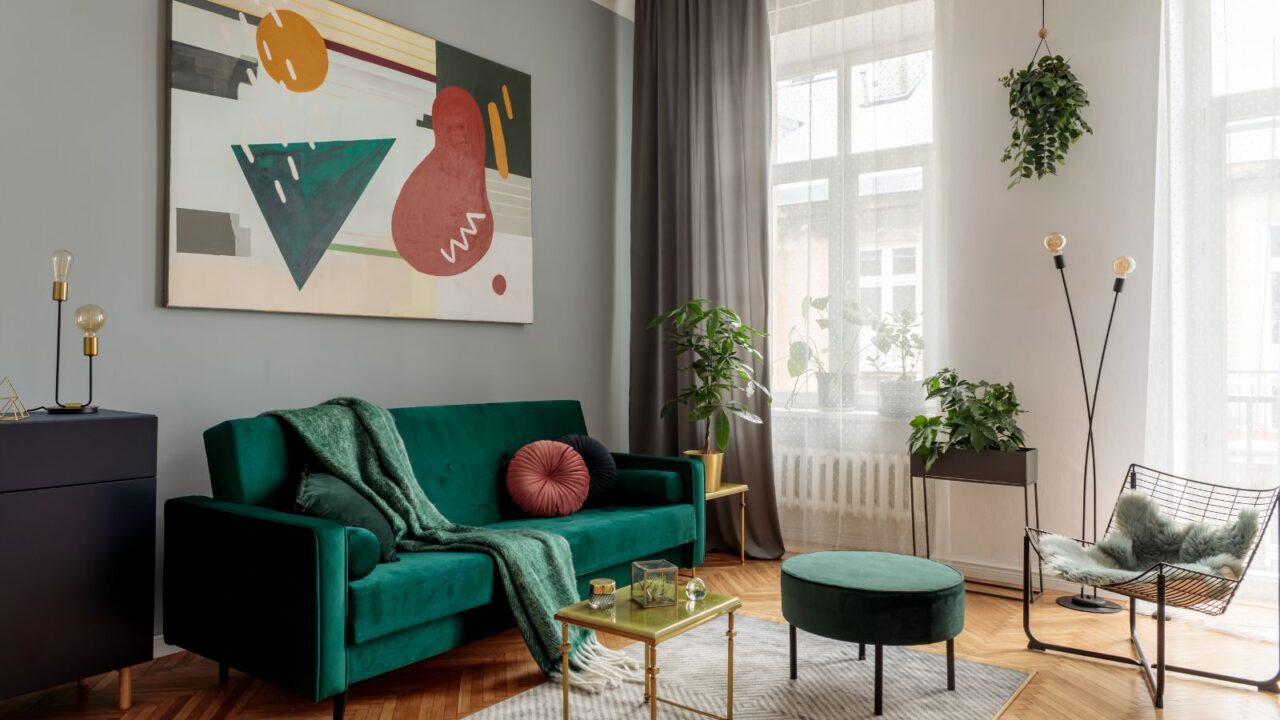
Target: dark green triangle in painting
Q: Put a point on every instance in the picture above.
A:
(331, 176)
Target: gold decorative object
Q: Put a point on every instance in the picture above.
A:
(653, 582)
(11, 407)
(712, 462)
(602, 593)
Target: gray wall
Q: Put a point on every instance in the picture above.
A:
(82, 166)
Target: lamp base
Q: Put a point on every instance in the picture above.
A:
(82, 410)
(1084, 603)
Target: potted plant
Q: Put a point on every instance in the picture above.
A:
(714, 341)
(1045, 100)
(898, 346)
(977, 435)
(837, 386)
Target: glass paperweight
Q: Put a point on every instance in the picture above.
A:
(602, 590)
(695, 589)
(653, 583)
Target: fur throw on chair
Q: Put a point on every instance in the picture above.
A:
(1142, 537)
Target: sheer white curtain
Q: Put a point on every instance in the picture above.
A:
(853, 242)
(1213, 410)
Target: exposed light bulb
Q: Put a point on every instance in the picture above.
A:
(1054, 242)
(90, 319)
(1123, 265)
(61, 265)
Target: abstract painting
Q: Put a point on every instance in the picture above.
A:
(324, 161)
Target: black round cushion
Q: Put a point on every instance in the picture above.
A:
(600, 465)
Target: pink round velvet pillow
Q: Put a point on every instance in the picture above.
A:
(548, 479)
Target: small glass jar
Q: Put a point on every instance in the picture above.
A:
(602, 593)
(695, 590)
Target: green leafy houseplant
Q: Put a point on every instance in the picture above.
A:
(898, 344)
(975, 416)
(714, 339)
(804, 356)
(1045, 101)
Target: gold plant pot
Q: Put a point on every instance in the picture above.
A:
(712, 464)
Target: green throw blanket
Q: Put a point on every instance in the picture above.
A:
(358, 442)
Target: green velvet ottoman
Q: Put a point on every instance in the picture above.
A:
(874, 598)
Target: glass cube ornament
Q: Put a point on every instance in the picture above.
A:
(653, 583)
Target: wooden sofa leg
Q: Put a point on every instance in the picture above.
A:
(224, 674)
(126, 688)
(339, 705)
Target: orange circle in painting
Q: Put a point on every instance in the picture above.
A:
(499, 284)
(291, 51)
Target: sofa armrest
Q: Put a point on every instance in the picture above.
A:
(632, 477)
(260, 590)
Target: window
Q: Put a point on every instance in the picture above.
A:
(853, 119)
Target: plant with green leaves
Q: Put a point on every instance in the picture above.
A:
(714, 341)
(975, 416)
(1045, 101)
(805, 357)
(897, 342)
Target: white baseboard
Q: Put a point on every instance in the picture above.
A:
(1003, 575)
(159, 649)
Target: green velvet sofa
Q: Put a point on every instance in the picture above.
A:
(259, 588)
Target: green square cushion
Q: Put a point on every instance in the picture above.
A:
(331, 498)
(601, 537)
(422, 587)
(648, 487)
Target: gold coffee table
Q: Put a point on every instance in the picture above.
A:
(650, 626)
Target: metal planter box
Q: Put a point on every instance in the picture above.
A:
(994, 467)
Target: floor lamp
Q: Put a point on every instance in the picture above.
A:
(1122, 266)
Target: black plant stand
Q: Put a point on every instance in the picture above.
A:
(991, 467)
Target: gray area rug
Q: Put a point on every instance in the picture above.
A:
(833, 683)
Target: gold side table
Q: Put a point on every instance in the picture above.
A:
(725, 490)
(651, 626)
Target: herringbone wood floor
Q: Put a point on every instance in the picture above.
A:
(184, 687)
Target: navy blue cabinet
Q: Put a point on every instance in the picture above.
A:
(77, 548)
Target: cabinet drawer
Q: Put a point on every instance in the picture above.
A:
(58, 450)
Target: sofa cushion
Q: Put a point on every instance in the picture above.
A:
(601, 537)
(649, 487)
(601, 466)
(420, 588)
(363, 552)
(331, 498)
(547, 478)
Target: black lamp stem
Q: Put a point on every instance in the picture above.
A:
(57, 360)
(1088, 404)
(89, 402)
(1097, 383)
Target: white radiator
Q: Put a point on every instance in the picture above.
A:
(846, 483)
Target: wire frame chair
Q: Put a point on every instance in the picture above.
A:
(1168, 585)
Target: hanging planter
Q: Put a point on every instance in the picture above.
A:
(1045, 100)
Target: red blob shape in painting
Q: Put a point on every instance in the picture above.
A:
(442, 224)
(500, 284)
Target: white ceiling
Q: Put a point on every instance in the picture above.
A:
(625, 8)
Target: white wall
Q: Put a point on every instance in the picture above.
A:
(1006, 313)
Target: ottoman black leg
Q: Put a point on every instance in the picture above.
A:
(793, 652)
(951, 664)
(862, 651)
(879, 679)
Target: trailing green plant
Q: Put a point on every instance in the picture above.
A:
(804, 357)
(713, 340)
(898, 344)
(1045, 100)
(975, 416)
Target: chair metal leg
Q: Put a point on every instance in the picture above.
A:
(879, 679)
(793, 652)
(340, 705)
(1160, 662)
(862, 651)
(951, 664)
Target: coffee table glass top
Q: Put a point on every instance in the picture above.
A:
(629, 620)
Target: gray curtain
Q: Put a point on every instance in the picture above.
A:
(699, 223)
